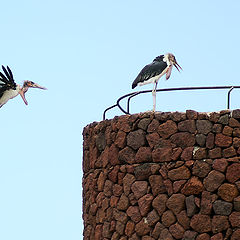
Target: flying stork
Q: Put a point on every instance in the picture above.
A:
(152, 72)
(9, 89)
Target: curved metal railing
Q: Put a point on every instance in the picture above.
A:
(134, 94)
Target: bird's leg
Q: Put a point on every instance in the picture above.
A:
(154, 96)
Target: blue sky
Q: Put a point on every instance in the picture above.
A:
(87, 53)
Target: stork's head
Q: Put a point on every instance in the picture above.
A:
(26, 85)
(173, 61)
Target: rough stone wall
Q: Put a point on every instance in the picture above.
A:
(163, 176)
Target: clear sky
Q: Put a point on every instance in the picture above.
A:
(87, 53)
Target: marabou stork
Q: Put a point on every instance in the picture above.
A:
(152, 72)
(9, 89)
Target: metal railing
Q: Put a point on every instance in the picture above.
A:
(134, 94)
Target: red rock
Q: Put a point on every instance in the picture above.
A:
(201, 139)
(139, 188)
(214, 116)
(227, 131)
(157, 185)
(176, 230)
(101, 181)
(169, 187)
(234, 122)
(120, 177)
(123, 203)
(152, 139)
(237, 203)
(191, 114)
(203, 236)
(191, 206)
(113, 155)
(127, 182)
(233, 172)
(178, 116)
(153, 126)
(176, 203)
(219, 223)
(157, 230)
(144, 154)
(236, 132)
(134, 213)
(215, 153)
(222, 140)
(180, 173)
(220, 164)
(117, 190)
(217, 236)
(210, 140)
(183, 219)
(234, 219)
(199, 153)
(129, 230)
(187, 153)
(204, 126)
(159, 203)
(189, 235)
(168, 218)
(152, 218)
(127, 155)
(213, 180)
(142, 228)
(187, 126)
(106, 230)
(120, 140)
(120, 227)
(229, 152)
(108, 188)
(236, 235)
(201, 223)
(98, 232)
(228, 192)
(166, 129)
(143, 123)
(162, 155)
(201, 168)
(236, 142)
(165, 235)
(120, 216)
(193, 186)
(183, 139)
(206, 203)
(177, 185)
(145, 203)
(114, 174)
(113, 201)
(176, 153)
(136, 139)
(143, 171)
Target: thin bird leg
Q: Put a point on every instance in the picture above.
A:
(154, 96)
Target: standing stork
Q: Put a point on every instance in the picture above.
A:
(9, 89)
(152, 72)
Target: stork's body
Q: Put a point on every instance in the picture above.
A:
(9, 89)
(152, 72)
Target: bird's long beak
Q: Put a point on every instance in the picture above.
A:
(35, 85)
(22, 94)
(177, 65)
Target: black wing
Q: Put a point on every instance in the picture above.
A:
(6, 81)
(149, 71)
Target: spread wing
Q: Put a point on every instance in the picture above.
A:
(149, 71)
(6, 80)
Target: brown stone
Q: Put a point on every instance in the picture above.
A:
(233, 172)
(159, 203)
(228, 192)
(152, 218)
(236, 142)
(145, 203)
(218, 236)
(113, 201)
(187, 153)
(180, 173)
(210, 140)
(236, 132)
(113, 155)
(139, 188)
(177, 185)
(227, 131)
(162, 155)
(108, 188)
(152, 139)
(236, 235)
(229, 152)
(157, 230)
(136, 139)
(98, 232)
(219, 223)
(134, 213)
(214, 116)
(120, 140)
(215, 153)
(199, 153)
(117, 190)
(187, 126)
(123, 202)
(168, 218)
(183, 219)
(224, 119)
(113, 175)
(178, 116)
(142, 228)
(129, 230)
(126, 155)
(206, 203)
(106, 230)
(223, 140)
(120, 227)
(237, 203)
(203, 126)
(236, 113)
(201, 139)
(203, 236)
(166, 129)
(143, 123)
(169, 186)
(201, 168)
(193, 186)
(127, 183)
(234, 219)
(220, 164)
(144, 154)
(157, 185)
(176, 230)
(201, 223)
(153, 126)
(101, 181)
(143, 171)
(120, 216)
(233, 123)
(191, 206)
(183, 139)
(176, 203)
(222, 208)
(191, 114)
(213, 180)
(165, 235)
